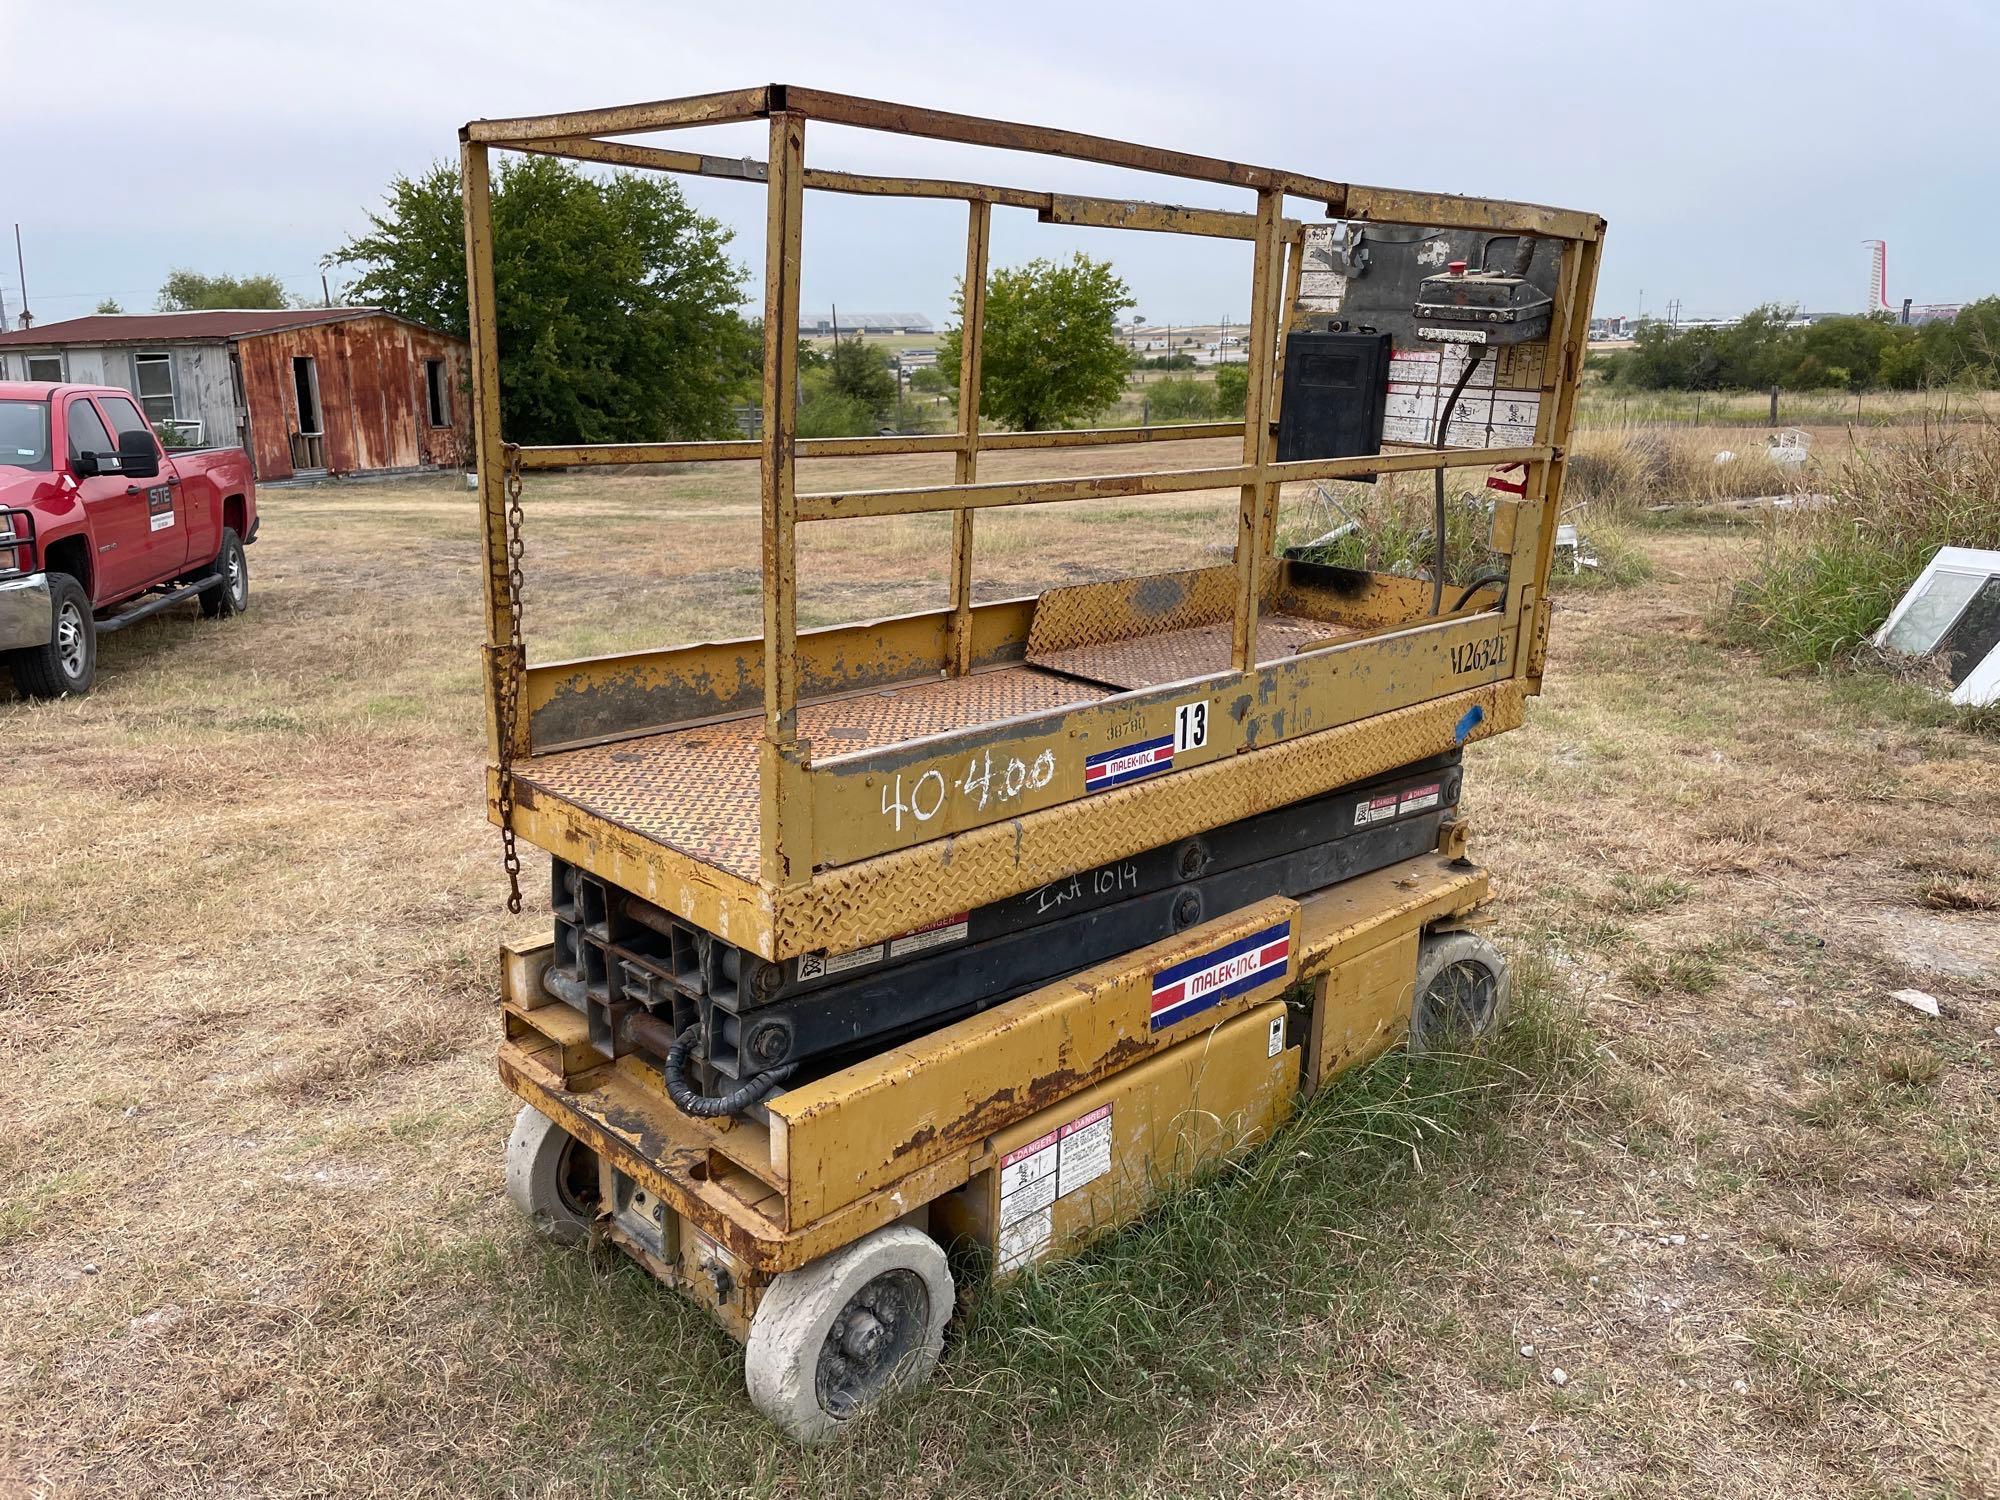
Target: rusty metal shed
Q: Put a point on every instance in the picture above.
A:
(308, 391)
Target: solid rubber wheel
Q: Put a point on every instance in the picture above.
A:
(551, 1177)
(67, 664)
(1463, 990)
(833, 1340)
(232, 595)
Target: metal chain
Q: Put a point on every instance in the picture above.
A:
(510, 683)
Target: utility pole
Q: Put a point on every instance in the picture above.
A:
(21, 265)
(325, 296)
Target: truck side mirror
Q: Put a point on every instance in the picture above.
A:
(138, 457)
(84, 466)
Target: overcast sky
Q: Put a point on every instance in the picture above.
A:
(1741, 151)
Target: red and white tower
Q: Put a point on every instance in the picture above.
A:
(1878, 275)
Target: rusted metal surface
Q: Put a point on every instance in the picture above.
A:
(374, 405)
(972, 324)
(601, 697)
(821, 825)
(1154, 659)
(859, 1130)
(835, 505)
(923, 883)
(1087, 614)
(694, 789)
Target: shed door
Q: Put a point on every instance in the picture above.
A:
(309, 433)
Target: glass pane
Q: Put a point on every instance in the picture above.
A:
(159, 408)
(1931, 612)
(155, 376)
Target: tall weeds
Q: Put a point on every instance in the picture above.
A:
(1832, 572)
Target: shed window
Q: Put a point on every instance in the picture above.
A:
(155, 374)
(438, 392)
(45, 367)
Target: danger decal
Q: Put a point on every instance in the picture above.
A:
(1194, 985)
(1115, 767)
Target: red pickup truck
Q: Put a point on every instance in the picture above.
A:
(101, 526)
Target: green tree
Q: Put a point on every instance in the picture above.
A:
(615, 301)
(190, 291)
(1232, 390)
(109, 305)
(862, 372)
(1178, 399)
(1050, 350)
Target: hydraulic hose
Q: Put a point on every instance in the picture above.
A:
(691, 1101)
(1479, 581)
(1444, 422)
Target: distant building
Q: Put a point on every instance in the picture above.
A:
(820, 325)
(308, 391)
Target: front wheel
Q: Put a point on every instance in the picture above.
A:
(551, 1177)
(229, 595)
(833, 1340)
(67, 665)
(1462, 993)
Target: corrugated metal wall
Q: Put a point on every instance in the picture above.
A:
(374, 405)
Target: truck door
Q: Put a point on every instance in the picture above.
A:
(160, 499)
(120, 530)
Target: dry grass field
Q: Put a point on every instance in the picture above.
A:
(252, 1240)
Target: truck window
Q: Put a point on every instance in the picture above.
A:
(24, 434)
(125, 416)
(86, 430)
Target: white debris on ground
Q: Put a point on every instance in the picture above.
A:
(1558, 1376)
(1916, 1000)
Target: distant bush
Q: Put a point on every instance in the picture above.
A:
(1232, 387)
(1832, 572)
(1766, 348)
(1164, 362)
(1179, 400)
(832, 413)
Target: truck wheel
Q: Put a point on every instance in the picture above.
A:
(835, 1339)
(68, 663)
(232, 595)
(1463, 990)
(551, 1177)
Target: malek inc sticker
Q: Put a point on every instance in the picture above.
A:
(1196, 984)
(1115, 767)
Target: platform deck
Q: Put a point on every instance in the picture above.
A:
(694, 788)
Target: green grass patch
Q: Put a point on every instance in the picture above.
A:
(1831, 573)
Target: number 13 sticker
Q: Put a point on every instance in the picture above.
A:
(1191, 726)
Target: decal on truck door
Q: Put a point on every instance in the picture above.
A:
(160, 507)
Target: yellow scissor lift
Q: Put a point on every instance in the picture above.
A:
(776, 806)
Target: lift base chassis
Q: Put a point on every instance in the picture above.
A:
(921, 1134)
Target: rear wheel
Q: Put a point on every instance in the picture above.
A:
(231, 595)
(1462, 993)
(834, 1340)
(551, 1177)
(67, 665)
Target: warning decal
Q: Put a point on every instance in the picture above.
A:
(1375, 810)
(1419, 797)
(1110, 768)
(1032, 1177)
(1194, 985)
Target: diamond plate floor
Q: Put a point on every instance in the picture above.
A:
(1145, 661)
(695, 789)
